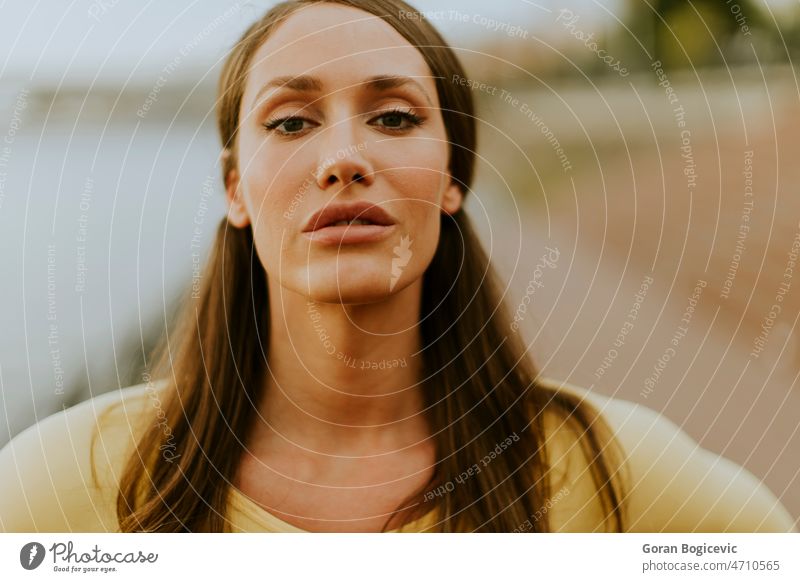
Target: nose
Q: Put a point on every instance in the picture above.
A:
(344, 161)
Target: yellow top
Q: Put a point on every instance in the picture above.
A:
(46, 482)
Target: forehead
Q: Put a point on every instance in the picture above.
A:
(339, 44)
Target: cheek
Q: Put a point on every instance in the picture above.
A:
(263, 200)
(272, 179)
(274, 192)
(415, 169)
(272, 196)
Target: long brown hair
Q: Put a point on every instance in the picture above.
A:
(481, 390)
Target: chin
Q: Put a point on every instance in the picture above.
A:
(354, 296)
(351, 281)
(351, 293)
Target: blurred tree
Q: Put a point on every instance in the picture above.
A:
(683, 33)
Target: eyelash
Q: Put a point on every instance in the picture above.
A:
(412, 118)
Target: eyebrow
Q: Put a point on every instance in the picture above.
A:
(309, 84)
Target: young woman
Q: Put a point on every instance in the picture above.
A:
(349, 365)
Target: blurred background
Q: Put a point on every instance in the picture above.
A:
(652, 144)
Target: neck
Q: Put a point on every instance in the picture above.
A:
(345, 379)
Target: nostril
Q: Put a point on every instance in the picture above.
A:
(331, 179)
(358, 178)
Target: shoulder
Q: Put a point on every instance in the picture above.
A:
(672, 483)
(61, 473)
(575, 503)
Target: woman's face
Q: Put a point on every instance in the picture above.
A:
(340, 116)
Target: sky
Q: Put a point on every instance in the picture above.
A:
(81, 42)
(81, 39)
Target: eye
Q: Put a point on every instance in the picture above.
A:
(395, 119)
(287, 125)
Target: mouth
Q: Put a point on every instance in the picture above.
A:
(349, 223)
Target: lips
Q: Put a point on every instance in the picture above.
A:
(350, 213)
(349, 222)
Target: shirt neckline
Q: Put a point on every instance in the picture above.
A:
(248, 509)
